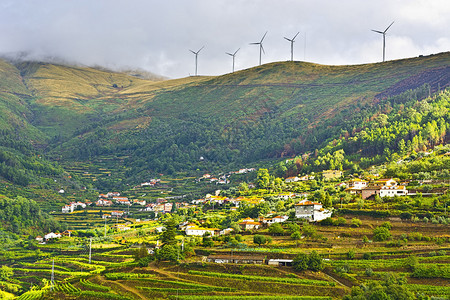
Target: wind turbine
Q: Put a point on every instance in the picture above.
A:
(261, 48)
(292, 45)
(384, 38)
(196, 56)
(233, 55)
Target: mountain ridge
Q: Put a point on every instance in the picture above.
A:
(273, 110)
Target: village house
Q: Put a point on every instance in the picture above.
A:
(122, 200)
(384, 188)
(103, 202)
(195, 230)
(105, 216)
(139, 202)
(331, 174)
(113, 194)
(67, 233)
(292, 179)
(52, 235)
(311, 211)
(355, 186)
(249, 224)
(72, 206)
(39, 239)
(117, 213)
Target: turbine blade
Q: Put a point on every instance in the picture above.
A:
(262, 48)
(200, 49)
(192, 51)
(255, 43)
(388, 27)
(295, 35)
(229, 53)
(236, 51)
(263, 37)
(288, 39)
(378, 31)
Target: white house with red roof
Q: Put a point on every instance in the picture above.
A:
(311, 211)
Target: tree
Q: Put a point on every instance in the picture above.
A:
(276, 229)
(300, 262)
(168, 252)
(6, 273)
(315, 261)
(168, 235)
(207, 240)
(259, 239)
(263, 179)
(381, 233)
(356, 222)
(296, 236)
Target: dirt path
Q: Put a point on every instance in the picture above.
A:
(128, 289)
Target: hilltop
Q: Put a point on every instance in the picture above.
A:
(270, 111)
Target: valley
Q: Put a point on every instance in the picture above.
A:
(289, 180)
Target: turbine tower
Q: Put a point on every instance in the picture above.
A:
(292, 45)
(233, 55)
(196, 56)
(384, 38)
(261, 48)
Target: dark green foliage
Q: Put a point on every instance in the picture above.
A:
(168, 252)
(381, 233)
(21, 215)
(259, 239)
(315, 261)
(169, 233)
(276, 229)
(391, 287)
(300, 262)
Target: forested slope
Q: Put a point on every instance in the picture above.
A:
(275, 110)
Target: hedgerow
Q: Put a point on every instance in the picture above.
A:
(264, 278)
(94, 286)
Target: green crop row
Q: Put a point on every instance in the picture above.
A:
(66, 288)
(45, 265)
(94, 286)
(185, 291)
(235, 297)
(264, 278)
(430, 289)
(102, 295)
(31, 295)
(181, 283)
(115, 276)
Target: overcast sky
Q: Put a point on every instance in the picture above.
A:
(156, 35)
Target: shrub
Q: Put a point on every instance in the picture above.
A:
(368, 272)
(356, 222)
(300, 262)
(315, 261)
(259, 239)
(387, 225)
(351, 254)
(381, 233)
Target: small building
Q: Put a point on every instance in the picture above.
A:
(311, 211)
(331, 174)
(391, 191)
(197, 231)
(292, 179)
(280, 262)
(236, 259)
(117, 213)
(39, 238)
(249, 224)
(52, 235)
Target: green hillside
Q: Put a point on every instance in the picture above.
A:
(278, 109)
